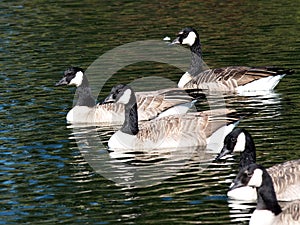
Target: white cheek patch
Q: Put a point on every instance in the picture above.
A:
(77, 80)
(184, 80)
(256, 179)
(190, 39)
(125, 97)
(240, 143)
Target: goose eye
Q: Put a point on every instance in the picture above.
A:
(248, 173)
(233, 139)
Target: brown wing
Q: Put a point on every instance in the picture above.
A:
(110, 113)
(234, 76)
(191, 126)
(217, 118)
(151, 104)
(179, 128)
(286, 179)
(290, 214)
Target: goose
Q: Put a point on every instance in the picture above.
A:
(285, 176)
(175, 131)
(150, 104)
(227, 79)
(268, 211)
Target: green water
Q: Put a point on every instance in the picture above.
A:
(45, 178)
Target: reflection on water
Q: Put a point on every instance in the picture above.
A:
(135, 168)
(266, 106)
(240, 210)
(45, 178)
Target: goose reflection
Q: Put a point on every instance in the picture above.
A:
(135, 168)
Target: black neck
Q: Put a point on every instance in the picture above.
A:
(266, 199)
(84, 93)
(130, 125)
(248, 156)
(197, 61)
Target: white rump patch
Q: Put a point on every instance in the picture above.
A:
(263, 84)
(240, 143)
(177, 109)
(77, 80)
(190, 39)
(125, 97)
(256, 178)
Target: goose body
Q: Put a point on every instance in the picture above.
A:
(150, 104)
(226, 79)
(285, 176)
(268, 211)
(191, 129)
(110, 113)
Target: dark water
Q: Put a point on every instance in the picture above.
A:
(45, 177)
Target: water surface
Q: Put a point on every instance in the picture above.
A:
(45, 178)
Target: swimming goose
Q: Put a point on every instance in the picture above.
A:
(285, 176)
(226, 79)
(185, 130)
(150, 104)
(268, 211)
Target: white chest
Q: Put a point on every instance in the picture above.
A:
(120, 140)
(84, 114)
(243, 193)
(262, 217)
(78, 114)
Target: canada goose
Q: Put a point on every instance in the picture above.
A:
(191, 129)
(285, 176)
(268, 211)
(150, 104)
(226, 79)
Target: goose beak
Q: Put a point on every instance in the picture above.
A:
(236, 184)
(62, 82)
(175, 41)
(109, 99)
(223, 153)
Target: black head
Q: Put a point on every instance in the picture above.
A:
(124, 94)
(120, 93)
(72, 76)
(234, 141)
(187, 36)
(251, 175)
(256, 176)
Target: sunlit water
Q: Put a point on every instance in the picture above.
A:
(52, 172)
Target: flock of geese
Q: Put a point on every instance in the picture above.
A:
(160, 119)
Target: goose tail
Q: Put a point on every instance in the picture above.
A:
(281, 71)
